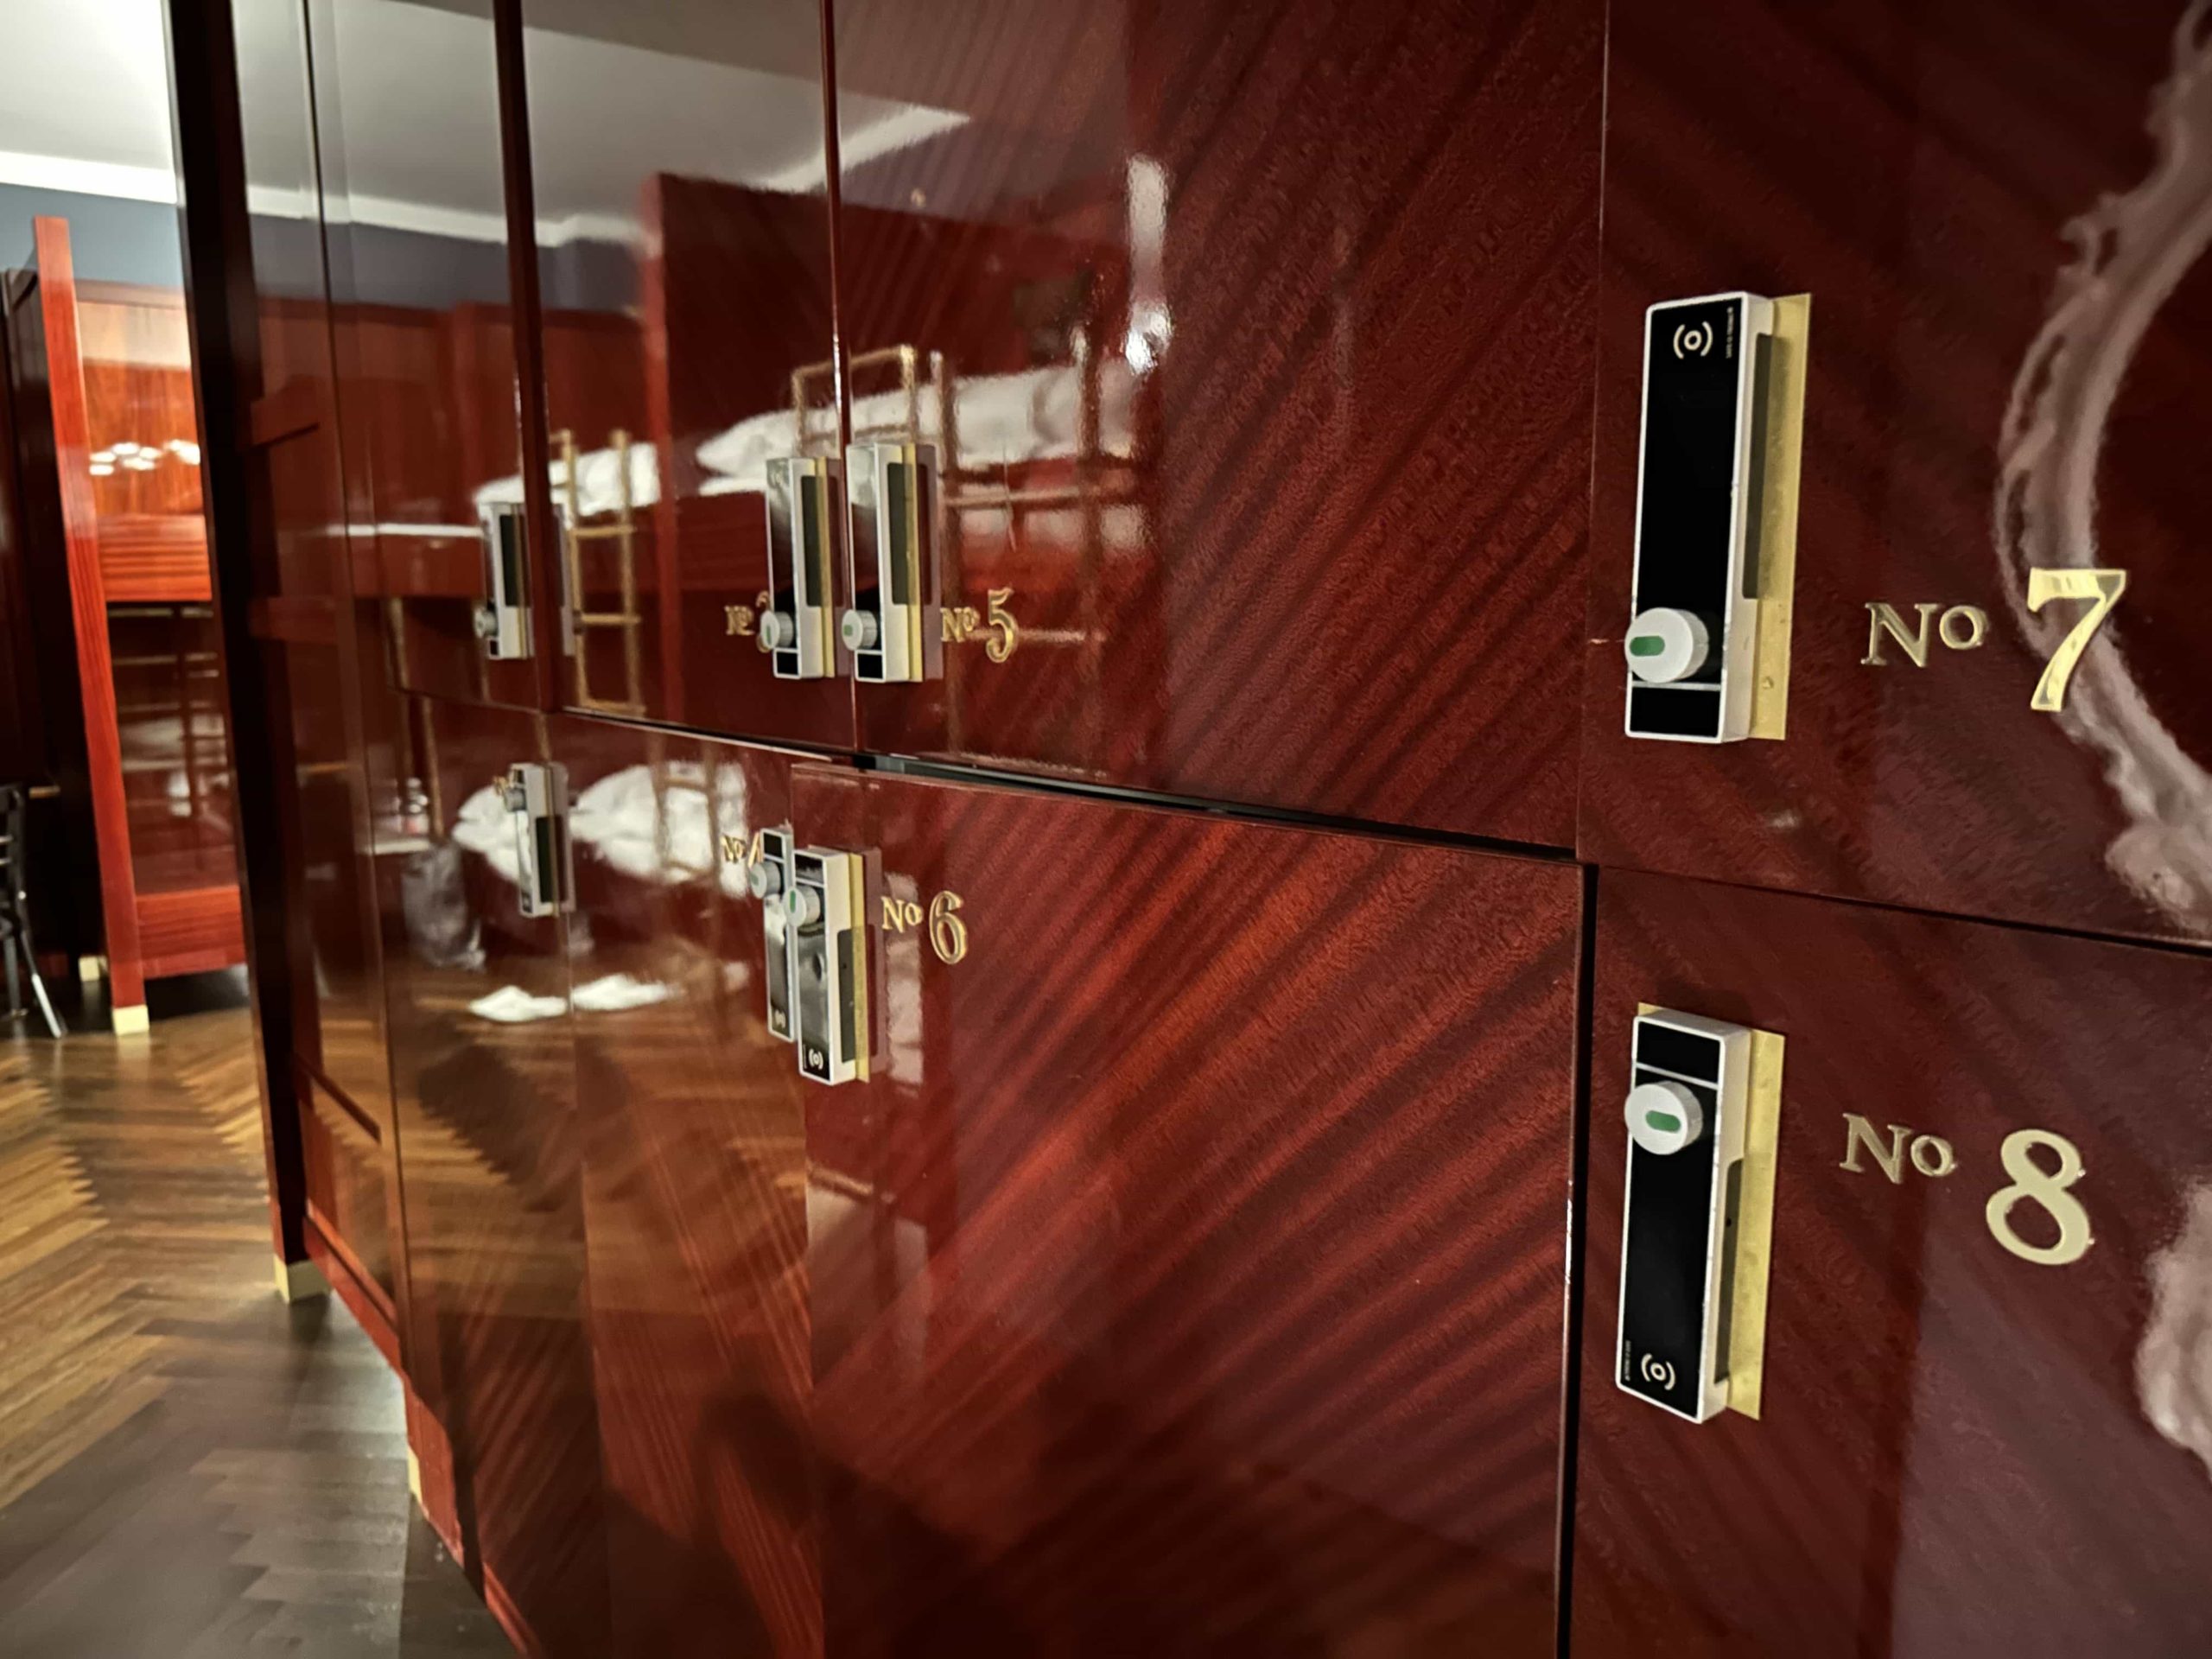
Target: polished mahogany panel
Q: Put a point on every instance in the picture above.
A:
(1258, 343)
(491, 1173)
(1188, 1277)
(1960, 1451)
(414, 201)
(350, 1195)
(695, 1189)
(1998, 211)
(322, 655)
(677, 158)
(339, 1016)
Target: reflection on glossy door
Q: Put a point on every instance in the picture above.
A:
(695, 1199)
(1984, 1419)
(415, 204)
(490, 1167)
(1187, 1276)
(1998, 212)
(1256, 346)
(684, 253)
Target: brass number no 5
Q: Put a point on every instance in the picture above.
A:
(1006, 632)
(2105, 587)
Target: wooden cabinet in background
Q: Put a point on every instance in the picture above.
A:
(109, 456)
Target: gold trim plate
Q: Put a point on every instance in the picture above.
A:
(1755, 1227)
(1781, 470)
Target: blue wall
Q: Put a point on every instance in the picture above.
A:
(113, 241)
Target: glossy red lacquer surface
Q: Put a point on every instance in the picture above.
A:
(1188, 1277)
(1258, 343)
(491, 1166)
(1999, 211)
(311, 643)
(1960, 1451)
(414, 199)
(694, 1142)
(697, 246)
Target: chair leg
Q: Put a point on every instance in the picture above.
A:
(38, 992)
(22, 943)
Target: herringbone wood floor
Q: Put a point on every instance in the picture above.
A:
(188, 1469)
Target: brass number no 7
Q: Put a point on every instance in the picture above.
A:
(2105, 587)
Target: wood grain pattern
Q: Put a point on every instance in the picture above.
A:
(1189, 1278)
(1932, 175)
(190, 931)
(490, 1162)
(150, 559)
(1336, 272)
(139, 410)
(695, 1203)
(1960, 1451)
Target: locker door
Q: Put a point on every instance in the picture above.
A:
(490, 1168)
(1253, 348)
(1983, 1401)
(695, 1205)
(1993, 660)
(677, 158)
(1187, 1273)
(313, 635)
(413, 205)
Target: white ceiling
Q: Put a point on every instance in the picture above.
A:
(84, 97)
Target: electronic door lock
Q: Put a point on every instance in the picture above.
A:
(797, 631)
(503, 620)
(892, 626)
(769, 880)
(1703, 1112)
(1716, 517)
(825, 922)
(535, 796)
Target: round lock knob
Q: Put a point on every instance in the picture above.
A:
(777, 631)
(1665, 646)
(1664, 1118)
(487, 622)
(765, 880)
(858, 630)
(803, 906)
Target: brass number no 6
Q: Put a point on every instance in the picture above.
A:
(948, 933)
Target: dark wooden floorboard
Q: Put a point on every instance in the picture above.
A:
(187, 1466)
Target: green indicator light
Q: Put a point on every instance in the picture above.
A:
(1666, 1121)
(1646, 645)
